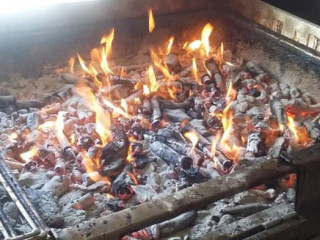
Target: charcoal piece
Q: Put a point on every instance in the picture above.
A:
(256, 144)
(156, 112)
(187, 104)
(166, 153)
(279, 145)
(83, 202)
(278, 110)
(172, 62)
(206, 79)
(142, 161)
(144, 192)
(114, 204)
(186, 163)
(176, 224)
(85, 142)
(33, 120)
(121, 186)
(145, 107)
(176, 115)
(246, 210)
(254, 68)
(57, 185)
(114, 168)
(192, 175)
(214, 122)
(69, 154)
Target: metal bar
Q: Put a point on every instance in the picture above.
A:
(198, 196)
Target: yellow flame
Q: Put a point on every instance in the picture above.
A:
(300, 134)
(47, 125)
(115, 108)
(195, 45)
(137, 100)
(146, 90)
(59, 126)
(124, 105)
(206, 32)
(193, 137)
(72, 139)
(170, 43)
(152, 80)
(28, 155)
(92, 168)
(95, 56)
(71, 64)
(83, 64)
(106, 51)
(103, 118)
(156, 60)
(207, 70)
(195, 70)
(151, 20)
(13, 137)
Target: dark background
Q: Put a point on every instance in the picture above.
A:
(307, 9)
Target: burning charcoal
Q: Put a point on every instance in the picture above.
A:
(254, 68)
(121, 186)
(46, 157)
(84, 202)
(246, 210)
(69, 154)
(166, 153)
(214, 122)
(256, 144)
(148, 233)
(33, 120)
(145, 108)
(144, 193)
(156, 112)
(114, 168)
(279, 145)
(172, 62)
(85, 142)
(206, 79)
(176, 115)
(277, 109)
(214, 70)
(190, 174)
(58, 185)
(114, 204)
(142, 161)
(297, 106)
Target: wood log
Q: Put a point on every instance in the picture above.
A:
(199, 196)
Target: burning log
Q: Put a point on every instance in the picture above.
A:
(156, 112)
(166, 153)
(215, 72)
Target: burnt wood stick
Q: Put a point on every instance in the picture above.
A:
(25, 104)
(118, 224)
(277, 109)
(176, 105)
(156, 112)
(166, 153)
(246, 210)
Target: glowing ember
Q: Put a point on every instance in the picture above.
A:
(170, 43)
(151, 20)
(92, 168)
(13, 137)
(206, 32)
(193, 137)
(28, 155)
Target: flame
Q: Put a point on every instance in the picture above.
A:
(195, 45)
(83, 64)
(207, 70)
(106, 51)
(124, 105)
(193, 137)
(152, 80)
(300, 134)
(151, 20)
(96, 81)
(108, 195)
(130, 157)
(28, 155)
(156, 61)
(229, 149)
(206, 32)
(115, 108)
(59, 126)
(133, 178)
(72, 139)
(170, 43)
(146, 91)
(220, 55)
(103, 118)
(71, 64)
(95, 56)
(47, 125)
(195, 70)
(13, 137)
(92, 167)
(137, 100)
(185, 45)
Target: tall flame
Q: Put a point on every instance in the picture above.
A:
(193, 137)
(206, 32)
(92, 168)
(195, 70)
(106, 51)
(152, 80)
(151, 20)
(71, 64)
(83, 64)
(103, 118)
(170, 43)
(195, 45)
(300, 134)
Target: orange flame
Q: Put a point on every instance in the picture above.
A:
(103, 118)
(28, 155)
(193, 137)
(151, 20)
(59, 126)
(133, 178)
(72, 139)
(152, 80)
(195, 70)
(146, 90)
(47, 125)
(13, 137)
(92, 168)
(83, 64)
(115, 108)
(195, 45)
(130, 156)
(206, 32)
(300, 134)
(71, 64)
(156, 61)
(124, 105)
(106, 51)
(170, 43)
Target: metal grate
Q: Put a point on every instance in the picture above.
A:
(27, 214)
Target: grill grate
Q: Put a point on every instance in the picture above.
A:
(27, 214)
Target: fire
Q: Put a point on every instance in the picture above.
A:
(71, 64)
(115, 108)
(47, 125)
(207, 70)
(13, 137)
(229, 149)
(195, 70)
(193, 137)
(59, 126)
(83, 64)
(300, 134)
(95, 56)
(220, 55)
(156, 61)
(106, 51)
(124, 105)
(108, 195)
(195, 45)
(130, 155)
(133, 178)
(72, 139)
(28, 155)
(146, 90)
(206, 32)
(170, 43)
(152, 80)
(103, 118)
(92, 168)
(151, 20)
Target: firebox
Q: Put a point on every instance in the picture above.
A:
(159, 120)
